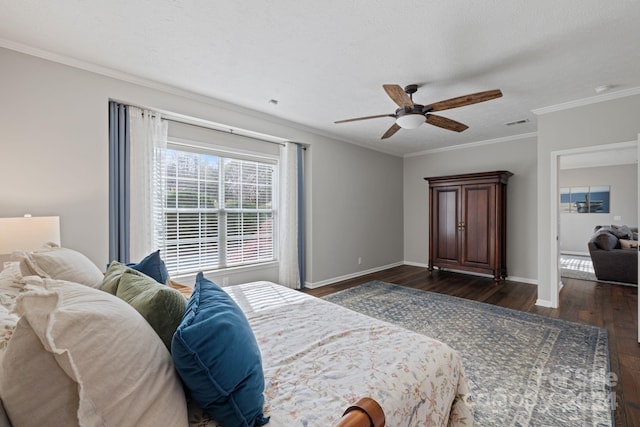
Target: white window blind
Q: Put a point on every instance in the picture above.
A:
(216, 211)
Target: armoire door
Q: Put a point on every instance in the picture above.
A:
(468, 223)
(446, 241)
(478, 225)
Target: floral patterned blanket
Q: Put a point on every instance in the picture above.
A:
(319, 358)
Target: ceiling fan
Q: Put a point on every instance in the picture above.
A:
(411, 116)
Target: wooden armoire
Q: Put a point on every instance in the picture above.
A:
(468, 222)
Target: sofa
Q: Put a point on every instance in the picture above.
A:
(614, 253)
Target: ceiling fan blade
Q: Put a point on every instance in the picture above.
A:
(365, 118)
(444, 123)
(393, 129)
(461, 101)
(398, 95)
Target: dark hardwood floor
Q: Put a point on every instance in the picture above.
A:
(614, 307)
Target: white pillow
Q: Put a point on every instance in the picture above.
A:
(59, 263)
(80, 356)
(4, 421)
(10, 285)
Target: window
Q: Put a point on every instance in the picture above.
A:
(214, 211)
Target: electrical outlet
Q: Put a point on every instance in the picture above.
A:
(617, 218)
(359, 260)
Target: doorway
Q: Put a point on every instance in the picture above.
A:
(585, 157)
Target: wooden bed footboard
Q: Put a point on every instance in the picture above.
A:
(365, 413)
(186, 291)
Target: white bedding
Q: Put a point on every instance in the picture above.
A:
(319, 358)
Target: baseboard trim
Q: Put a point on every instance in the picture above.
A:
(575, 253)
(510, 278)
(523, 280)
(544, 303)
(416, 264)
(314, 285)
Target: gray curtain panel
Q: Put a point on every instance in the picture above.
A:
(118, 182)
(301, 223)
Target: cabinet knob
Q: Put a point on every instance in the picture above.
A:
(461, 226)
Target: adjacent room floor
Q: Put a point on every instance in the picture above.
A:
(577, 267)
(581, 267)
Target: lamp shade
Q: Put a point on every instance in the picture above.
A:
(410, 121)
(28, 233)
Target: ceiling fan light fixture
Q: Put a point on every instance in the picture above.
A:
(410, 115)
(410, 121)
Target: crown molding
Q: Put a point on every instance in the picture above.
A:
(587, 101)
(94, 68)
(133, 79)
(144, 82)
(474, 144)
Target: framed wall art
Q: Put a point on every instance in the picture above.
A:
(591, 199)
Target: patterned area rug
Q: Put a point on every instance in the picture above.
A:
(524, 369)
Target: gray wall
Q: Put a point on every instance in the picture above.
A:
(517, 156)
(53, 123)
(576, 229)
(359, 199)
(361, 203)
(606, 122)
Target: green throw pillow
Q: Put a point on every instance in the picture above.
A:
(160, 305)
(111, 278)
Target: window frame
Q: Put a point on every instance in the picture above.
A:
(222, 212)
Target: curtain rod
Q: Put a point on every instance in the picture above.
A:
(230, 130)
(186, 120)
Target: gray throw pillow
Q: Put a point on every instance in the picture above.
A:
(622, 232)
(605, 240)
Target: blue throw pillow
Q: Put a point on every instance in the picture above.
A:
(217, 357)
(153, 266)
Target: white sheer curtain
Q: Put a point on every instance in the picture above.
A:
(148, 136)
(288, 213)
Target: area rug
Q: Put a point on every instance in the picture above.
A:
(577, 267)
(524, 369)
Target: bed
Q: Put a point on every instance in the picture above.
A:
(318, 359)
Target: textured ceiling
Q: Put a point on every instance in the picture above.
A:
(326, 61)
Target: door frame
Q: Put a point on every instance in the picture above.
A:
(554, 252)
